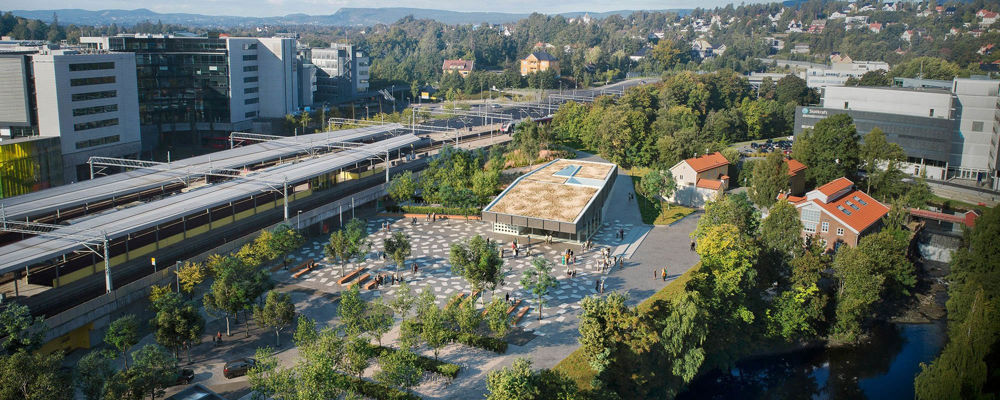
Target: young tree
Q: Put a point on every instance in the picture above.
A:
(315, 374)
(379, 319)
(349, 243)
(160, 296)
(479, 262)
(92, 372)
(881, 160)
(497, 317)
(397, 247)
(352, 311)
(402, 186)
(357, 353)
(733, 209)
(858, 288)
(467, 317)
(178, 326)
(656, 184)
(305, 331)
(782, 229)
(517, 382)
(122, 334)
(154, 371)
(34, 375)
(434, 328)
(403, 302)
(539, 281)
(769, 178)
(277, 313)
(228, 294)
(190, 275)
(399, 368)
(19, 329)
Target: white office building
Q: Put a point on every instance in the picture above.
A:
(838, 73)
(89, 101)
(342, 72)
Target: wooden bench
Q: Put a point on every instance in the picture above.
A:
(347, 278)
(520, 314)
(303, 268)
(513, 307)
(475, 295)
(455, 299)
(370, 285)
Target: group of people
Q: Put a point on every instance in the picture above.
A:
(568, 257)
(392, 278)
(620, 235)
(660, 273)
(386, 226)
(608, 261)
(599, 285)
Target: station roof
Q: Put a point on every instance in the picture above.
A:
(121, 222)
(106, 187)
(557, 191)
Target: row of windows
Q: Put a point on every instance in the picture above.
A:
(249, 79)
(251, 101)
(92, 66)
(98, 80)
(250, 114)
(83, 144)
(95, 110)
(825, 227)
(249, 57)
(82, 126)
(250, 90)
(106, 94)
(249, 68)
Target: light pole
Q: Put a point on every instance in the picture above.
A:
(298, 221)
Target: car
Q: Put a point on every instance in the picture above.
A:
(184, 376)
(237, 368)
(497, 106)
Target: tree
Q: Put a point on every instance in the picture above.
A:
(352, 311)
(314, 375)
(668, 54)
(34, 376)
(521, 382)
(734, 209)
(876, 77)
(399, 368)
(614, 338)
(962, 371)
(122, 334)
(881, 162)
(19, 329)
(228, 294)
(277, 313)
(539, 281)
(479, 262)
(792, 89)
(402, 303)
(178, 326)
(782, 229)
(769, 178)
(154, 370)
(657, 184)
(830, 149)
(379, 319)
(467, 317)
(398, 248)
(357, 353)
(349, 243)
(402, 186)
(887, 250)
(858, 288)
(305, 331)
(160, 296)
(497, 317)
(92, 372)
(919, 193)
(434, 329)
(190, 275)
(926, 68)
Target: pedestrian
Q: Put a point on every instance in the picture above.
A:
(602, 286)
(597, 285)
(656, 274)
(692, 245)
(218, 335)
(664, 274)
(507, 298)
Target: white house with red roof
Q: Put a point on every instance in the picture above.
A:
(700, 179)
(875, 27)
(838, 212)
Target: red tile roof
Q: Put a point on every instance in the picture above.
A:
(712, 184)
(794, 166)
(707, 162)
(835, 186)
(461, 65)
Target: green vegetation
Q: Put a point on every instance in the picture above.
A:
(661, 212)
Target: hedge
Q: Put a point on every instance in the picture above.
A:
(435, 210)
(373, 390)
(470, 339)
(428, 364)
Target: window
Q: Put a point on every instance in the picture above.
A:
(977, 126)
(809, 227)
(250, 90)
(250, 114)
(843, 210)
(251, 101)
(97, 142)
(846, 104)
(94, 110)
(100, 80)
(931, 113)
(250, 79)
(826, 227)
(852, 205)
(862, 202)
(91, 66)
(809, 215)
(840, 231)
(82, 126)
(250, 46)
(249, 68)
(107, 94)
(249, 57)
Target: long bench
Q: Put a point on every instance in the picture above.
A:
(455, 299)
(303, 268)
(361, 280)
(513, 307)
(370, 285)
(520, 314)
(347, 278)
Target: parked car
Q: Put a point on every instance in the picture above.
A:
(184, 376)
(238, 367)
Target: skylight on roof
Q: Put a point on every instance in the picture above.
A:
(852, 205)
(844, 210)
(858, 199)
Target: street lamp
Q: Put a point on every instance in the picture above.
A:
(298, 221)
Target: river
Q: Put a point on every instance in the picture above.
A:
(881, 369)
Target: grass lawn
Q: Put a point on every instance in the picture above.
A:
(659, 214)
(575, 365)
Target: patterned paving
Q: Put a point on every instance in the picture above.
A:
(430, 242)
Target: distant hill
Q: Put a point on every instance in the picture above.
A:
(343, 17)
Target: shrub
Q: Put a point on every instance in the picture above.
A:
(373, 390)
(483, 342)
(428, 364)
(435, 209)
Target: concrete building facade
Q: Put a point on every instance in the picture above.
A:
(342, 72)
(89, 101)
(700, 179)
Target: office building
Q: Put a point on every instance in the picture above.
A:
(342, 73)
(192, 89)
(89, 101)
(839, 72)
(18, 113)
(946, 133)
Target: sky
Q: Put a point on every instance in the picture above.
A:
(267, 8)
